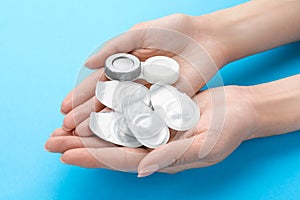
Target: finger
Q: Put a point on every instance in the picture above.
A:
(145, 53)
(61, 132)
(119, 158)
(84, 91)
(179, 168)
(174, 153)
(64, 143)
(190, 80)
(125, 42)
(83, 129)
(79, 114)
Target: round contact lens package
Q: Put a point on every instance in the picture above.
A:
(142, 116)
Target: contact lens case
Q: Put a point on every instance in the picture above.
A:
(127, 67)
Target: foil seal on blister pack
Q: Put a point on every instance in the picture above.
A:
(141, 116)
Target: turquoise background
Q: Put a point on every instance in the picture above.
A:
(42, 46)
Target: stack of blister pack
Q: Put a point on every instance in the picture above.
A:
(139, 116)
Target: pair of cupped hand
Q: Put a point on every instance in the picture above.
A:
(227, 114)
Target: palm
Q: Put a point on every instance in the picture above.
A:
(215, 136)
(77, 142)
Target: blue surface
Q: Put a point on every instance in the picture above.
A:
(42, 45)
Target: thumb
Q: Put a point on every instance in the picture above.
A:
(172, 154)
(125, 42)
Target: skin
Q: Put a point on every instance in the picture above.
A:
(245, 112)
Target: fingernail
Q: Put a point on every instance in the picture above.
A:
(61, 160)
(66, 129)
(148, 170)
(63, 107)
(54, 134)
(141, 175)
(62, 112)
(66, 105)
(86, 64)
(46, 149)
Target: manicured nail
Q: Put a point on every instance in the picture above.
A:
(61, 160)
(66, 129)
(141, 175)
(86, 64)
(148, 170)
(46, 149)
(62, 112)
(54, 134)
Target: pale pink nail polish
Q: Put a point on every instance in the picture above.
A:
(148, 170)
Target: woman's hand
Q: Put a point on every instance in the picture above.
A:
(245, 113)
(229, 116)
(198, 54)
(227, 119)
(201, 45)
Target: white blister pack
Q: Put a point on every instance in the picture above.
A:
(142, 116)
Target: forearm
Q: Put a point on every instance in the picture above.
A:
(277, 106)
(254, 26)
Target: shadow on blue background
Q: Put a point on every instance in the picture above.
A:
(42, 45)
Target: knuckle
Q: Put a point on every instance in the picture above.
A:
(178, 161)
(139, 25)
(180, 16)
(77, 132)
(169, 170)
(172, 171)
(215, 156)
(64, 144)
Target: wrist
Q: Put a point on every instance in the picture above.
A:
(201, 33)
(250, 28)
(276, 106)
